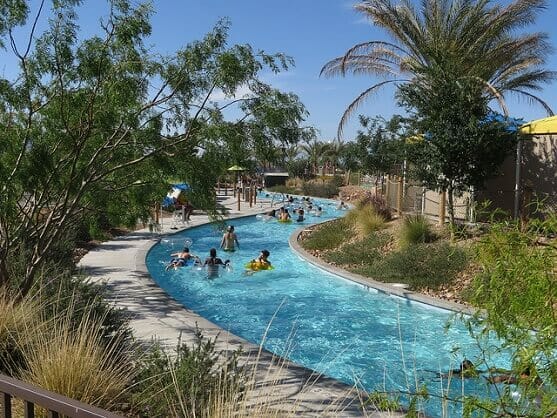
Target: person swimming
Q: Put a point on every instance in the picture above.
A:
(180, 259)
(300, 215)
(284, 216)
(213, 262)
(228, 240)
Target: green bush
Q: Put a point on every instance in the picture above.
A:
(362, 252)
(416, 230)
(326, 236)
(421, 265)
(188, 383)
(326, 190)
(379, 204)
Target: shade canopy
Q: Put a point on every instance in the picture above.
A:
(236, 168)
(546, 126)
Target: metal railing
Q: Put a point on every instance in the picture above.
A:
(56, 405)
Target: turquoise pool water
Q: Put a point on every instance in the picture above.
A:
(321, 321)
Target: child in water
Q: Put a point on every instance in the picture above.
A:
(260, 263)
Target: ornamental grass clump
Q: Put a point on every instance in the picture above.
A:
(367, 221)
(78, 362)
(19, 322)
(416, 230)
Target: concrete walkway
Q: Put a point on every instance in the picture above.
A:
(286, 388)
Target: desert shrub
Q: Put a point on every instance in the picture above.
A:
(359, 253)
(326, 236)
(379, 204)
(326, 190)
(294, 183)
(416, 230)
(337, 181)
(421, 265)
(188, 382)
(77, 362)
(367, 221)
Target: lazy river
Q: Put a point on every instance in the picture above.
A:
(317, 319)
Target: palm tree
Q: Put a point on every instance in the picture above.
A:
(468, 39)
(334, 152)
(316, 152)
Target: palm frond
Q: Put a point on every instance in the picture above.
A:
(534, 99)
(359, 101)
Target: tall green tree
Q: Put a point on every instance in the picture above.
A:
(380, 144)
(98, 124)
(465, 39)
(463, 144)
(470, 50)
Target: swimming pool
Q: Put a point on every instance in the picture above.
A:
(317, 319)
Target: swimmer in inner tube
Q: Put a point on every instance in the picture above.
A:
(284, 216)
(262, 262)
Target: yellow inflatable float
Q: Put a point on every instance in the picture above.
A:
(285, 221)
(257, 265)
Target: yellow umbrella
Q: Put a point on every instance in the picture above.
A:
(545, 126)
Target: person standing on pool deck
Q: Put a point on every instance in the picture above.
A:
(213, 262)
(228, 240)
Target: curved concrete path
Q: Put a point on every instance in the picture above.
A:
(281, 386)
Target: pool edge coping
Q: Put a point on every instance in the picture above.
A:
(368, 283)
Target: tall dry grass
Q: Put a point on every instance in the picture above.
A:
(76, 361)
(20, 321)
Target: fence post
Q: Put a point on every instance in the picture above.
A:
(388, 189)
(250, 196)
(442, 203)
(239, 197)
(254, 194)
(399, 197)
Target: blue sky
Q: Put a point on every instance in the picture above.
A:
(312, 32)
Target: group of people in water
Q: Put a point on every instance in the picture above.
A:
(283, 214)
(212, 263)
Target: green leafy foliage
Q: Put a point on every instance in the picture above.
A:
(360, 253)
(326, 236)
(421, 265)
(93, 126)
